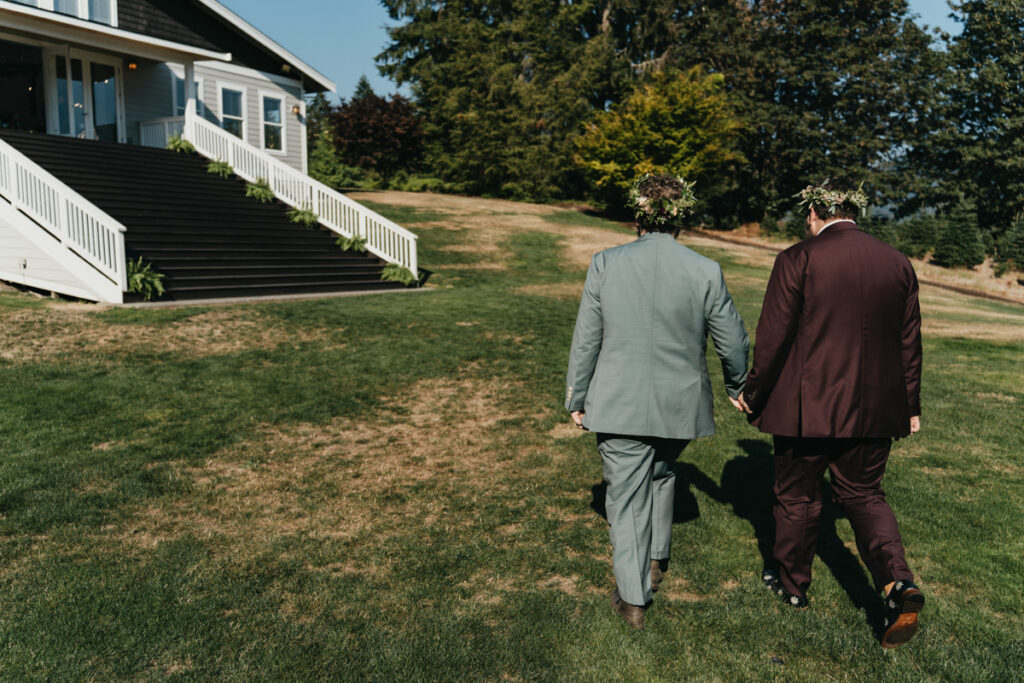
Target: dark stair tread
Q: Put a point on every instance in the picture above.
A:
(199, 229)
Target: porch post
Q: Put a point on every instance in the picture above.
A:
(190, 91)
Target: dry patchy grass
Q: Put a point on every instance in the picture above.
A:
(492, 221)
(40, 334)
(340, 479)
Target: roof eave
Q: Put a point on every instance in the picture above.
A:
(306, 70)
(55, 26)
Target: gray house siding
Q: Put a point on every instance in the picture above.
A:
(149, 96)
(255, 85)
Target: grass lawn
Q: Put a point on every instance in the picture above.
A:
(387, 488)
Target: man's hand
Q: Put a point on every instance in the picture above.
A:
(915, 424)
(740, 404)
(577, 417)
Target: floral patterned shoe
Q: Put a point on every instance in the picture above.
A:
(902, 605)
(771, 581)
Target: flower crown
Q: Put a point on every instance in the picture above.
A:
(823, 196)
(659, 212)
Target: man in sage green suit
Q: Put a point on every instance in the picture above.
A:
(639, 378)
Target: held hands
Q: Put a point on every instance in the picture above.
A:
(740, 404)
(577, 418)
(915, 424)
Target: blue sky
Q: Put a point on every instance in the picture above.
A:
(340, 38)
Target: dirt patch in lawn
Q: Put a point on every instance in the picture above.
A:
(387, 474)
(561, 290)
(492, 221)
(39, 334)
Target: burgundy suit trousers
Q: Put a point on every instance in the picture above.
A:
(857, 467)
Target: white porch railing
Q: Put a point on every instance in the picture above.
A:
(156, 132)
(95, 239)
(384, 238)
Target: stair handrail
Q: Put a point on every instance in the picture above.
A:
(79, 225)
(384, 238)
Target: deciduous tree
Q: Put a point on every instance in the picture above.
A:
(676, 123)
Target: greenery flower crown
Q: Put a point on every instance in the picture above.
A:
(822, 196)
(658, 212)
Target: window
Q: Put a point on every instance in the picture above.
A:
(102, 11)
(232, 111)
(178, 95)
(273, 123)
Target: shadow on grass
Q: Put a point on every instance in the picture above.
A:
(845, 566)
(747, 486)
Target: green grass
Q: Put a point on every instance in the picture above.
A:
(570, 217)
(380, 488)
(405, 215)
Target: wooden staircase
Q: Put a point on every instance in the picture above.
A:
(197, 228)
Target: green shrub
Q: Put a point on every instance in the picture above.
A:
(355, 243)
(180, 145)
(405, 182)
(396, 273)
(881, 228)
(326, 166)
(919, 235)
(959, 242)
(145, 280)
(304, 217)
(221, 168)
(260, 190)
(1011, 246)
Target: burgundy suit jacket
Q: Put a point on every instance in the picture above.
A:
(838, 349)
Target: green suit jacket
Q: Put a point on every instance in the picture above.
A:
(637, 364)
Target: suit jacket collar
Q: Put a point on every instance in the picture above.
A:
(656, 235)
(840, 226)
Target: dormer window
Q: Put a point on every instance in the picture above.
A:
(102, 11)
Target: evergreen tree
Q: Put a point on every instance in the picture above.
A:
(504, 87)
(1011, 245)
(318, 111)
(978, 153)
(918, 235)
(959, 242)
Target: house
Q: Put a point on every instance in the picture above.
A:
(91, 93)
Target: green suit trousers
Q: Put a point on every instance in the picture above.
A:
(639, 504)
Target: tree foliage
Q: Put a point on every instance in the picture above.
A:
(960, 242)
(675, 123)
(1011, 245)
(504, 87)
(821, 87)
(377, 134)
(978, 144)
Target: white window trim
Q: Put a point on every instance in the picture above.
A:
(200, 97)
(276, 95)
(221, 87)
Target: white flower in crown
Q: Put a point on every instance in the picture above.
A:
(793, 600)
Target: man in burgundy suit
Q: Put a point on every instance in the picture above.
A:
(836, 376)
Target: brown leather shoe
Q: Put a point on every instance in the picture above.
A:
(656, 575)
(633, 614)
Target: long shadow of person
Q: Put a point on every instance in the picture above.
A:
(684, 503)
(845, 566)
(747, 487)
